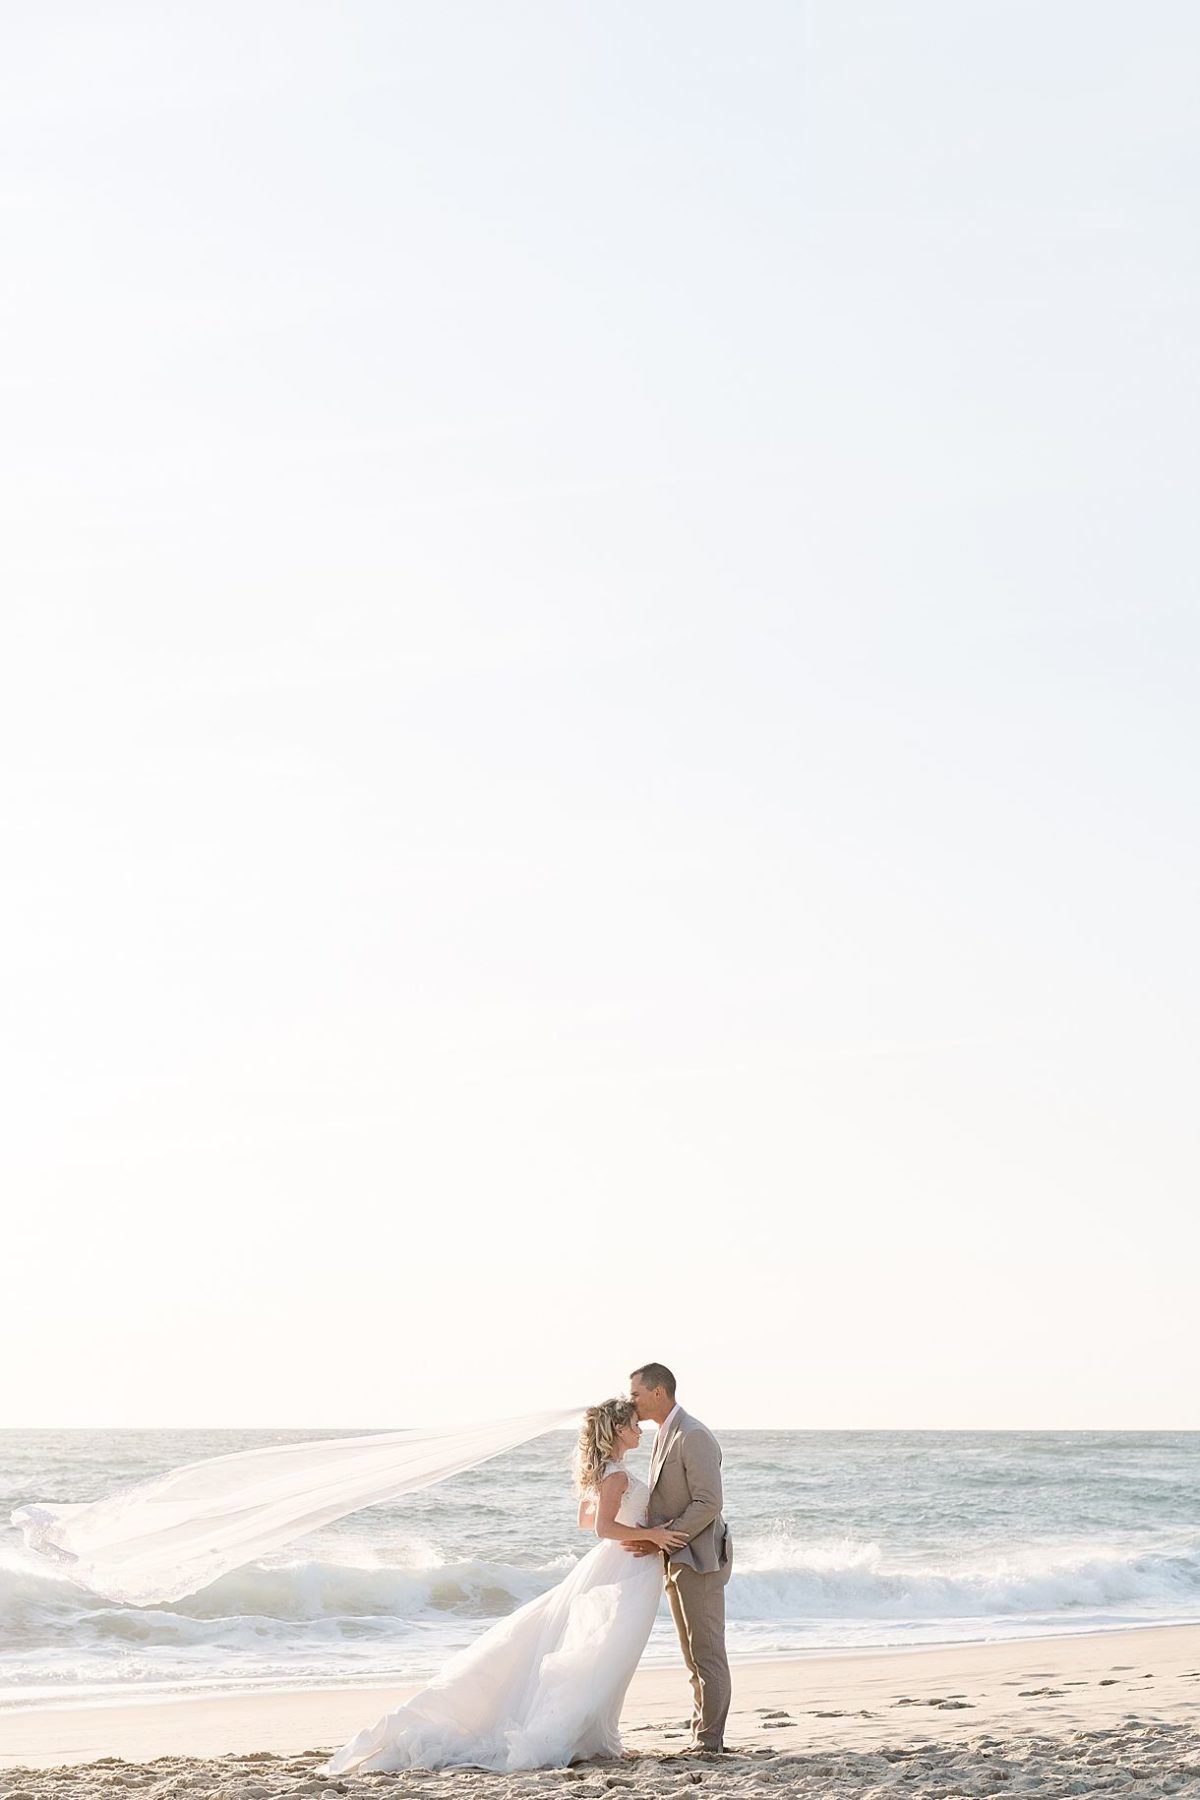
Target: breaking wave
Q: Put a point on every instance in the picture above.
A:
(777, 1579)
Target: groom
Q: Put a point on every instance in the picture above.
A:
(685, 1495)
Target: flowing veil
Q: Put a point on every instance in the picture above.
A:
(175, 1533)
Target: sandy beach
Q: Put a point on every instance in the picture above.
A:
(1117, 1712)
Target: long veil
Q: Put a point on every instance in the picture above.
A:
(175, 1533)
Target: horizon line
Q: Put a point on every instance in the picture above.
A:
(810, 1430)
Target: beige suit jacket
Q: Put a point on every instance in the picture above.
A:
(687, 1496)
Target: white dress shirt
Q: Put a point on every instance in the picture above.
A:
(660, 1445)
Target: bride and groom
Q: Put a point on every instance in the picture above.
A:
(544, 1687)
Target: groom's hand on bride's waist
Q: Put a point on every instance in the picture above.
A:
(661, 1538)
(639, 1547)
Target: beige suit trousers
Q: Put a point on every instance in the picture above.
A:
(698, 1608)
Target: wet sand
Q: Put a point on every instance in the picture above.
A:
(1117, 1712)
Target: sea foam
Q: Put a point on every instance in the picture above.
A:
(841, 1540)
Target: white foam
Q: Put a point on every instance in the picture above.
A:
(323, 1620)
(787, 1576)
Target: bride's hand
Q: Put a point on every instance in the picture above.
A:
(666, 1540)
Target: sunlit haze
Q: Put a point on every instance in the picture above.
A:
(599, 712)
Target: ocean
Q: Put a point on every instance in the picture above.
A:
(842, 1540)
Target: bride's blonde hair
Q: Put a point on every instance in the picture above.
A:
(597, 1440)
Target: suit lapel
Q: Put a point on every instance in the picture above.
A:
(660, 1454)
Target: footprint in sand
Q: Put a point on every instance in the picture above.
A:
(1040, 1693)
(906, 1700)
(1108, 1681)
(830, 1715)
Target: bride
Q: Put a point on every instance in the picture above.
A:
(544, 1686)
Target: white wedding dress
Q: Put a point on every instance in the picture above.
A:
(543, 1687)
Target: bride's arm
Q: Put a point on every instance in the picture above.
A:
(587, 1512)
(612, 1492)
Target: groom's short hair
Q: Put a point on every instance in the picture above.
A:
(654, 1375)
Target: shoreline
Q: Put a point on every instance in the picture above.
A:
(848, 1703)
(118, 1700)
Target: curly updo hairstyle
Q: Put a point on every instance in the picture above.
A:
(597, 1440)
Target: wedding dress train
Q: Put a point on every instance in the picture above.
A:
(543, 1687)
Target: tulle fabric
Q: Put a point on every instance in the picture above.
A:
(543, 1687)
(176, 1533)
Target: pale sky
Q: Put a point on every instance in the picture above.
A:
(598, 700)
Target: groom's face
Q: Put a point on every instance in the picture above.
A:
(645, 1399)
